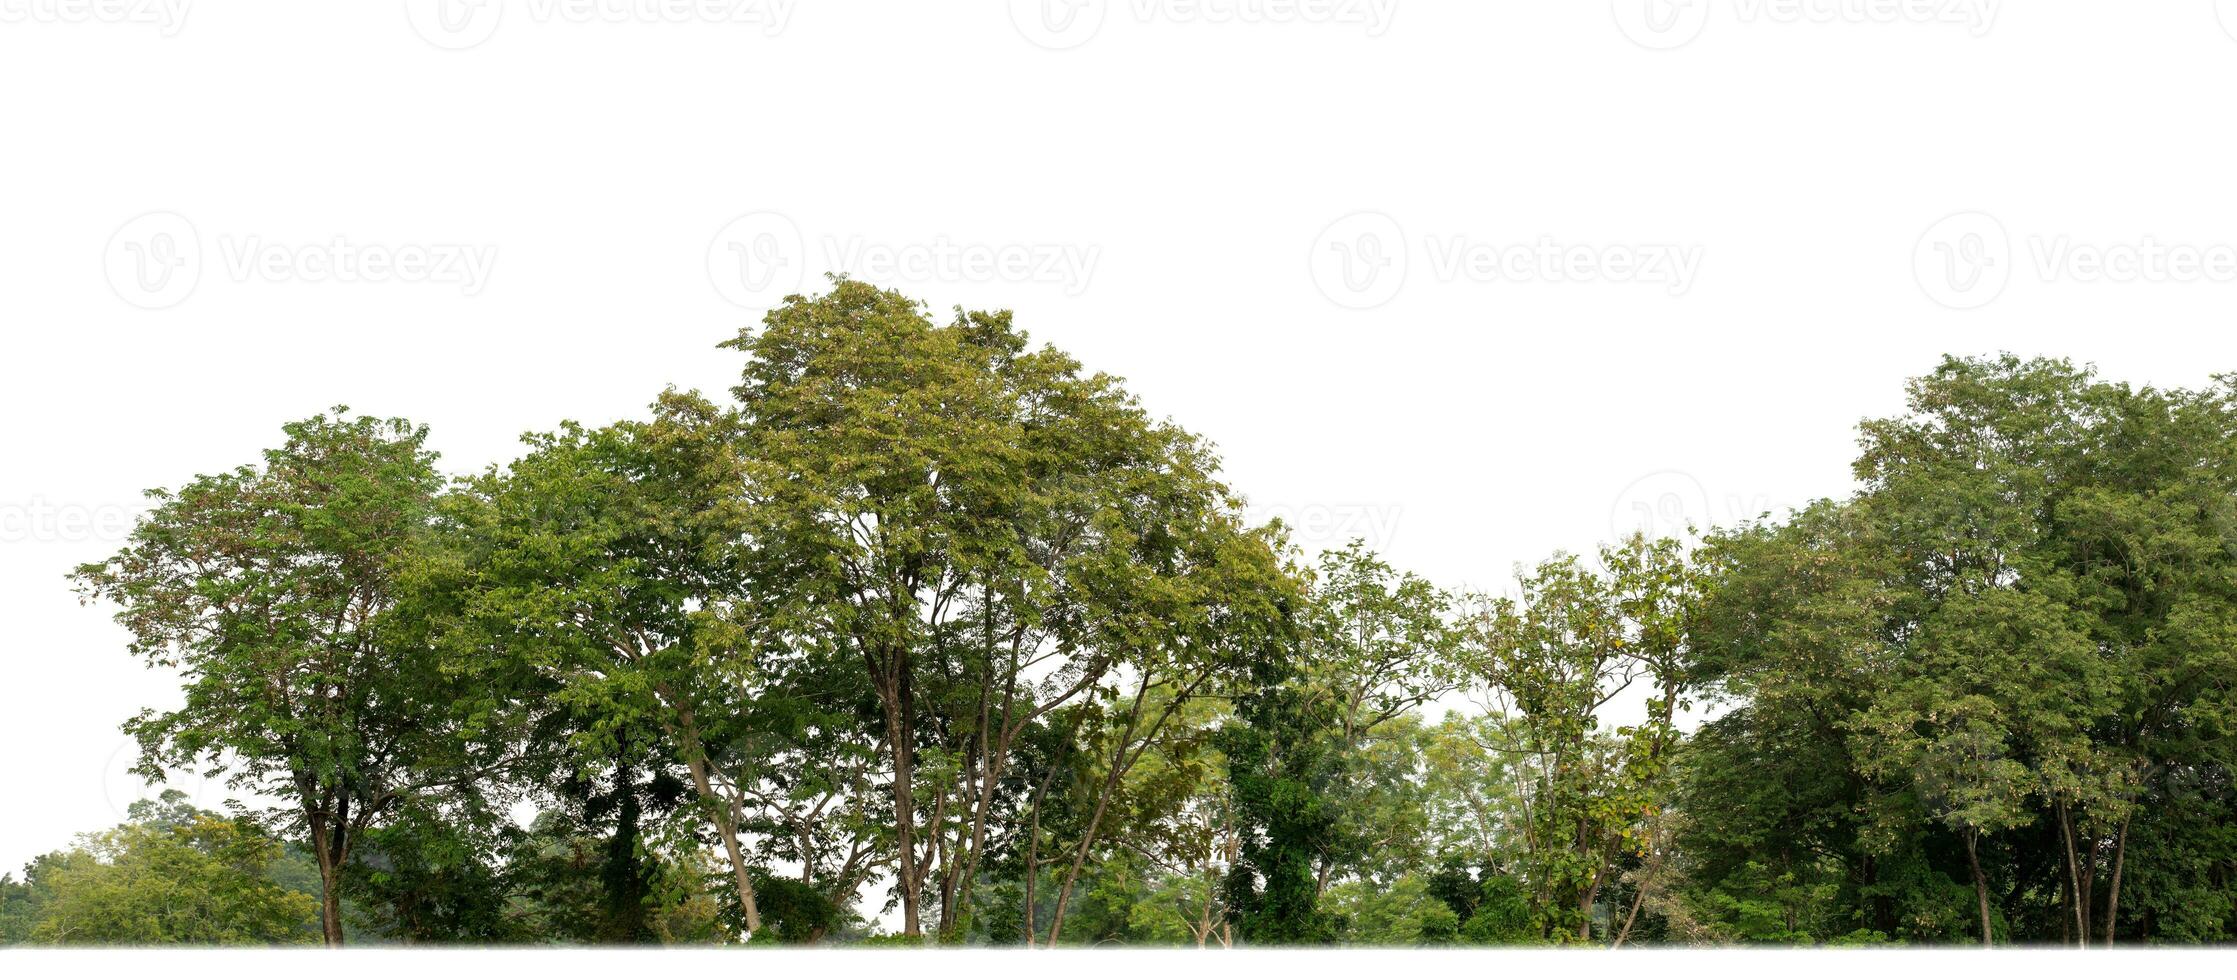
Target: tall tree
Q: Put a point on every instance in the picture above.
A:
(983, 527)
(270, 588)
(608, 562)
(1554, 658)
(1379, 647)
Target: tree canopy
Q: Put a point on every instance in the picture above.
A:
(925, 634)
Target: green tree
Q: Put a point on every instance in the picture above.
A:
(987, 530)
(1280, 764)
(607, 564)
(172, 875)
(272, 589)
(1553, 658)
(1380, 645)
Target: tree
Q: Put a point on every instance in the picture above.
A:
(434, 874)
(1280, 765)
(607, 564)
(1553, 658)
(1980, 668)
(271, 590)
(985, 529)
(172, 874)
(1379, 647)
(561, 880)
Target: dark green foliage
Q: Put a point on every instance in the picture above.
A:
(1279, 761)
(795, 911)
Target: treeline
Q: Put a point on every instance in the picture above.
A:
(928, 635)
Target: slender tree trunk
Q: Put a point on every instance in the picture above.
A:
(1072, 874)
(1590, 894)
(726, 813)
(1033, 847)
(1122, 762)
(1980, 883)
(1032, 877)
(2078, 890)
(1638, 896)
(900, 725)
(726, 823)
(1111, 780)
(2112, 895)
(2066, 910)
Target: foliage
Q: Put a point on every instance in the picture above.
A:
(171, 875)
(929, 635)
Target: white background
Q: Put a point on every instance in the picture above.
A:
(1207, 169)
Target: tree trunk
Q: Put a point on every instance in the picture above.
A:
(1111, 781)
(2078, 891)
(898, 724)
(728, 824)
(726, 816)
(1072, 874)
(1980, 883)
(330, 903)
(1638, 896)
(329, 879)
(2112, 895)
